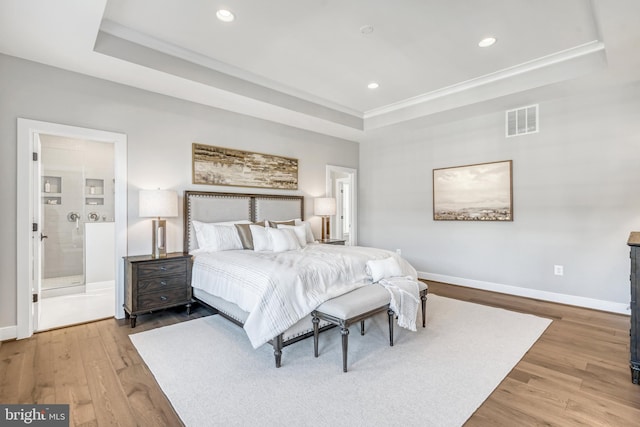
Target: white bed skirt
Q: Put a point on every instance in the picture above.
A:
(303, 326)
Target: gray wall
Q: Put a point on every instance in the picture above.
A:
(575, 182)
(575, 192)
(160, 132)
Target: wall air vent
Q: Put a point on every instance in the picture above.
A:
(522, 121)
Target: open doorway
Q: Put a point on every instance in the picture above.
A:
(72, 201)
(76, 252)
(342, 185)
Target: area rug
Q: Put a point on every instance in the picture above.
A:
(437, 376)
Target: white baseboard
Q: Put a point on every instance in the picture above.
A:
(8, 333)
(596, 304)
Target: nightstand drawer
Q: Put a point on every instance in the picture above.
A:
(160, 299)
(162, 268)
(160, 284)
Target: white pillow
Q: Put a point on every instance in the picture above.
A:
(299, 230)
(283, 239)
(382, 268)
(214, 237)
(198, 226)
(310, 237)
(261, 241)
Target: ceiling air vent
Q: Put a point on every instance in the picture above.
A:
(522, 120)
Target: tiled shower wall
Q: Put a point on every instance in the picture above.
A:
(81, 181)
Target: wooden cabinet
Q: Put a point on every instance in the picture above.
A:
(634, 244)
(156, 283)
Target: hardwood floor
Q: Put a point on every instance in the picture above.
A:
(576, 374)
(94, 368)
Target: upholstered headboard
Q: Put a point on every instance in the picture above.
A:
(220, 207)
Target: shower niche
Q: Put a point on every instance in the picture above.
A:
(52, 190)
(94, 191)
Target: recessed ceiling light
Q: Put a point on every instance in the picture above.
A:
(225, 15)
(486, 42)
(373, 85)
(366, 29)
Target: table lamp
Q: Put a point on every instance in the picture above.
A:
(324, 207)
(157, 204)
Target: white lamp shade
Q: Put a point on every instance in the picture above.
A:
(158, 203)
(324, 206)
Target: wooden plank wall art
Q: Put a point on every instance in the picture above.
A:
(481, 192)
(225, 166)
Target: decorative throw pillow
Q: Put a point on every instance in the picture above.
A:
(283, 239)
(274, 224)
(382, 268)
(299, 230)
(260, 238)
(244, 232)
(310, 237)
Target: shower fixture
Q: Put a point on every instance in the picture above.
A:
(74, 217)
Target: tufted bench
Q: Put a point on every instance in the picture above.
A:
(356, 306)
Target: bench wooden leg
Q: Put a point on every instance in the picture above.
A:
(315, 321)
(423, 298)
(345, 344)
(277, 350)
(391, 315)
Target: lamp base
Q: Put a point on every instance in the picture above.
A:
(325, 228)
(158, 239)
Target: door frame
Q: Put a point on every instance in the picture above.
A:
(26, 140)
(352, 174)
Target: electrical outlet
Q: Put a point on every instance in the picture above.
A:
(399, 252)
(558, 270)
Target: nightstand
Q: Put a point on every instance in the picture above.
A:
(156, 283)
(332, 241)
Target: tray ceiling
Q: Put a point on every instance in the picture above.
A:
(307, 63)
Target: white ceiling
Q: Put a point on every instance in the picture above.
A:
(306, 63)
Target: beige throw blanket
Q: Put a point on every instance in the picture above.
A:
(404, 290)
(405, 298)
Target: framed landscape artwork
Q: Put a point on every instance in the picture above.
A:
(226, 166)
(481, 192)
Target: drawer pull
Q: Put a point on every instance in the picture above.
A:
(163, 268)
(163, 283)
(163, 298)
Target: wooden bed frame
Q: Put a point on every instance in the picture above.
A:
(220, 207)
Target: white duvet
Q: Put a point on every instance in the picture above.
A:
(279, 288)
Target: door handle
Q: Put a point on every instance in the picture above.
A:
(42, 237)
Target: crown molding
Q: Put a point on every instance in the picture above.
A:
(126, 33)
(507, 73)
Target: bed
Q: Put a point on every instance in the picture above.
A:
(270, 293)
